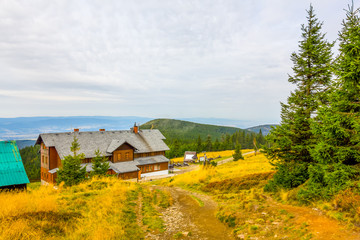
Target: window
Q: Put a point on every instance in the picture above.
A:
(157, 167)
(42, 159)
(127, 156)
(119, 156)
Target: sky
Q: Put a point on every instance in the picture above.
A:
(158, 59)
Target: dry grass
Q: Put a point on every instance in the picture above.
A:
(91, 210)
(227, 153)
(251, 164)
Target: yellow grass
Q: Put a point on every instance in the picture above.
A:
(251, 164)
(226, 153)
(91, 210)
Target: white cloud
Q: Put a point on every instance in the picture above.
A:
(226, 59)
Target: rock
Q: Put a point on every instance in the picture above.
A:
(241, 236)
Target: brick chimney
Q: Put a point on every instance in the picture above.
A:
(101, 130)
(136, 128)
(76, 129)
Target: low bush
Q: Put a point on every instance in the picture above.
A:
(325, 181)
(240, 183)
(288, 175)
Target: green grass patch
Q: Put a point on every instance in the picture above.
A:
(151, 217)
(33, 185)
(198, 200)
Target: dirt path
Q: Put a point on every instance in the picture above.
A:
(322, 227)
(186, 216)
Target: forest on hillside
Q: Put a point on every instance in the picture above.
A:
(31, 159)
(184, 136)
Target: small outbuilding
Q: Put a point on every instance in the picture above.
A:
(190, 156)
(12, 171)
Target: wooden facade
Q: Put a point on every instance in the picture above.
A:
(149, 154)
(129, 175)
(124, 153)
(50, 159)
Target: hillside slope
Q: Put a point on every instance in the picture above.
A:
(265, 129)
(186, 131)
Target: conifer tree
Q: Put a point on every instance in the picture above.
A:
(100, 166)
(292, 140)
(238, 155)
(338, 123)
(71, 172)
(199, 146)
(260, 138)
(216, 146)
(208, 144)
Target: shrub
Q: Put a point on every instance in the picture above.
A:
(325, 181)
(288, 175)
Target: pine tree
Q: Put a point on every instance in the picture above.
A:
(71, 172)
(208, 144)
(216, 146)
(260, 138)
(338, 123)
(100, 165)
(292, 140)
(238, 155)
(199, 146)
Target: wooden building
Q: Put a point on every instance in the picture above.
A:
(190, 156)
(12, 171)
(131, 153)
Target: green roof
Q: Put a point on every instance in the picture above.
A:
(12, 170)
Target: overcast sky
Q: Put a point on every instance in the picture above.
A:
(173, 59)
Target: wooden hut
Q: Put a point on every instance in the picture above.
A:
(12, 171)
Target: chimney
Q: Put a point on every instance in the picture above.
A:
(76, 129)
(101, 130)
(136, 128)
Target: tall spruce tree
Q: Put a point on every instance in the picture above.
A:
(100, 166)
(208, 144)
(291, 141)
(71, 172)
(338, 123)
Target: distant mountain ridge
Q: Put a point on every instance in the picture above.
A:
(25, 143)
(185, 130)
(265, 129)
(23, 128)
(31, 127)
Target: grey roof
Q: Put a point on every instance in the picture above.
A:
(117, 143)
(151, 160)
(107, 141)
(119, 167)
(124, 167)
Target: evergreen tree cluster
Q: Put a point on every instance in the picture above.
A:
(72, 173)
(31, 160)
(318, 141)
(227, 142)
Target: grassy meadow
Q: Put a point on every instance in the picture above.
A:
(238, 186)
(107, 208)
(97, 209)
